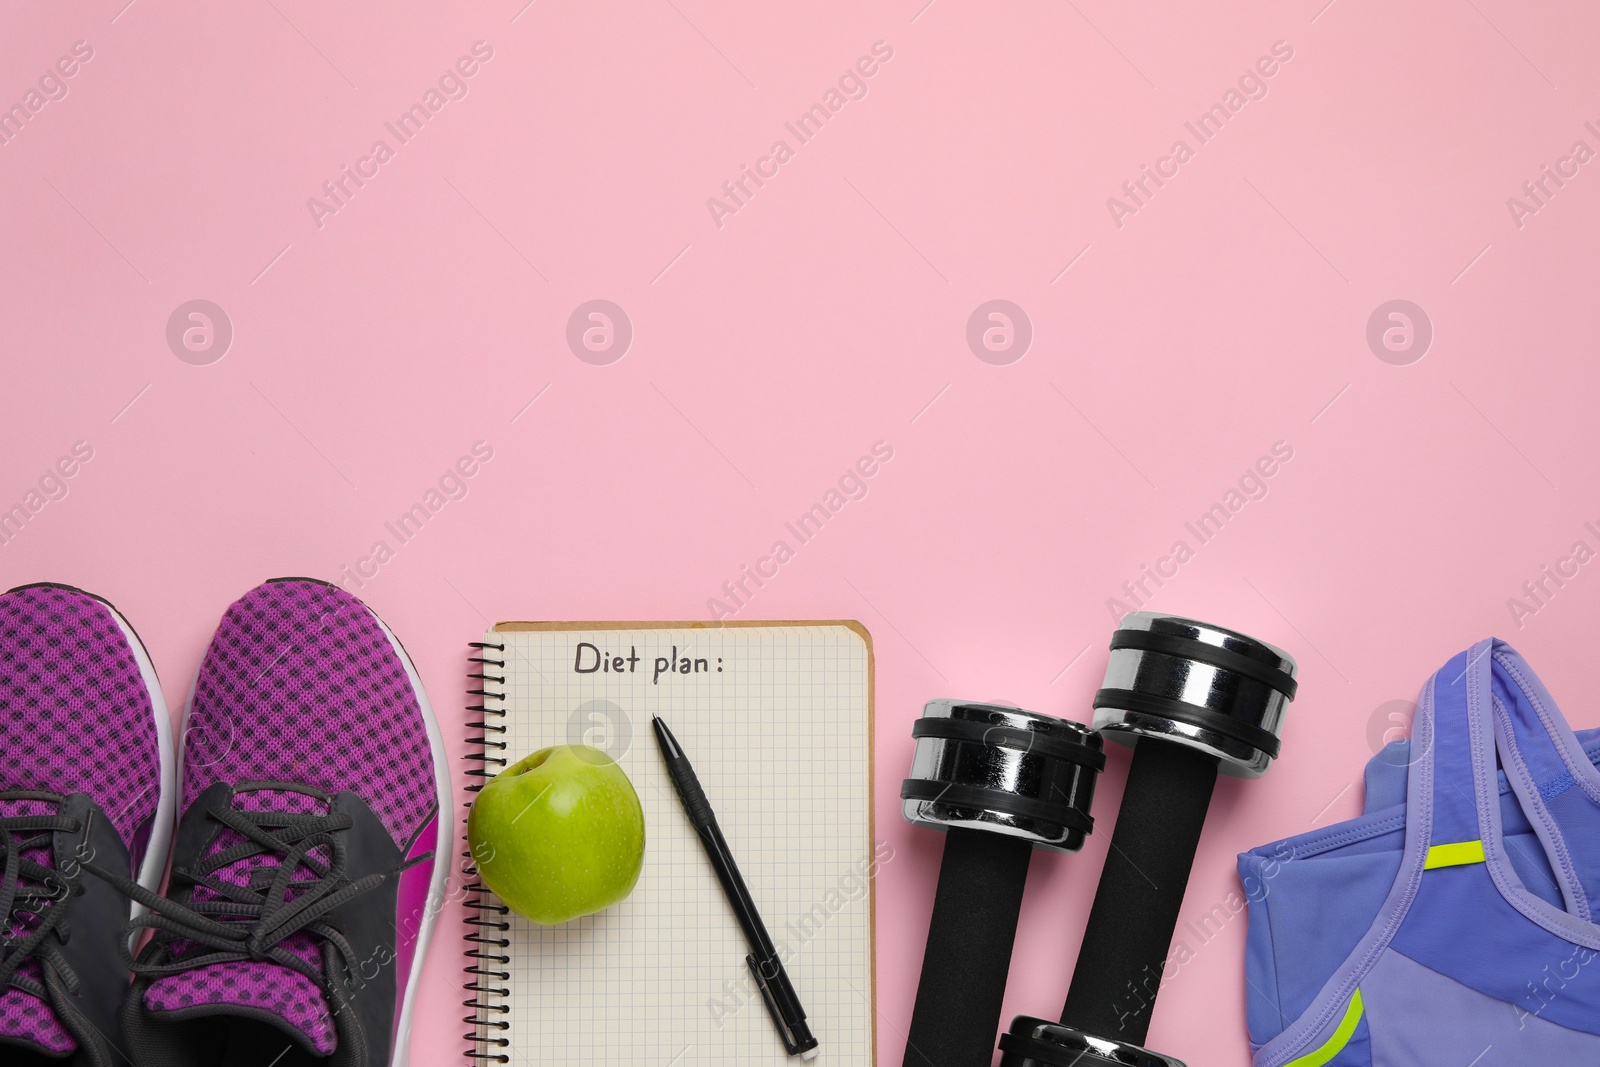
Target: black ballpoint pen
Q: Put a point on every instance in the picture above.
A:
(782, 1003)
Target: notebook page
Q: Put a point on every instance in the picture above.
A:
(777, 723)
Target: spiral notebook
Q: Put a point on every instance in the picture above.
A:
(777, 718)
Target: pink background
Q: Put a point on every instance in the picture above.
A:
(828, 313)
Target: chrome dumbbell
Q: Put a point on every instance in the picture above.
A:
(1194, 700)
(999, 782)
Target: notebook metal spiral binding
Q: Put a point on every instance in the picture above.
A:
(486, 943)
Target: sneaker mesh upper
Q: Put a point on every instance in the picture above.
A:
(301, 685)
(75, 716)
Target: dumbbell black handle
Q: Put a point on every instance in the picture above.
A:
(1141, 890)
(964, 967)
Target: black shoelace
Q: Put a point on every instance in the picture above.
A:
(240, 923)
(34, 898)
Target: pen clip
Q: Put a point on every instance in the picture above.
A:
(789, 1043)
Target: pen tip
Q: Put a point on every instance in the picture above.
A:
(664, 738)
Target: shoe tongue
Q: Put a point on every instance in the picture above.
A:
(16, 807)
(255, 988)
(28, 1022)
(261, 989)
(25, 1020)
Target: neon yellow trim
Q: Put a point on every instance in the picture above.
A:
(1341, 1037)
(1454, 854)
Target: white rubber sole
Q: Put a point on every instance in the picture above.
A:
(154, 865)
(441, 858)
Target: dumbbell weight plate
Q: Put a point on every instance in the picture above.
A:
(1039, 1043)
(1003, 770)
(1211, 689)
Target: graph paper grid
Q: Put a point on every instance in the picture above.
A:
(778, 722)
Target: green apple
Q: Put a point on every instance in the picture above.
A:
(559, 834)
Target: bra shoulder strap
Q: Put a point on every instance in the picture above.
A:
(1550, 757)
(1454, 730)
(1556, 786)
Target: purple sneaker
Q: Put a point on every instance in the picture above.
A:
(309, 864)
(87, 783)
